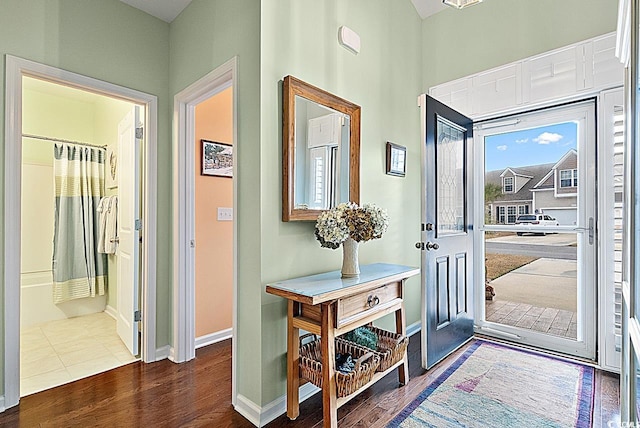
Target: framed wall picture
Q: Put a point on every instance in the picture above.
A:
(111, 167)
(217, 159)
(396, 159)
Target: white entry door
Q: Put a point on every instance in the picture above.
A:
(128, 164)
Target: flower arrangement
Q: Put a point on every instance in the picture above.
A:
(348, 220)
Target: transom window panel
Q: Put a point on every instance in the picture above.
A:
(569, 178)
(508, 184)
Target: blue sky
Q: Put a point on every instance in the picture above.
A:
(534, 146)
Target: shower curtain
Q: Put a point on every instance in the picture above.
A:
(78, 269)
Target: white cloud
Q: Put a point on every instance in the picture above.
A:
(524, 140)
(503, 147)
(548, 138)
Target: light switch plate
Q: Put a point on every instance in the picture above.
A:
(225, 214)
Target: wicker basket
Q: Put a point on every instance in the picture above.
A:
(391, 347)
(346, 384)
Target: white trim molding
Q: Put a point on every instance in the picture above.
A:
(248, 409)
(164, 352)
(111, 311)
(2, 408)
(16, 68)
(261, 416)
(414, 328)
(185, 101)
(210, 339)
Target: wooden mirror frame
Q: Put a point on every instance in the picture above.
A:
(292, 87)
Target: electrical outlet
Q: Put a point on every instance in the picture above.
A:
(225, 214)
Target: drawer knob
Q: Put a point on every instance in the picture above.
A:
(373, 301)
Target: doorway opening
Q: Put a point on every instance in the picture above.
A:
(214, 218)
(74, 282)
(538, 235)
(218, 159)
(66, 153)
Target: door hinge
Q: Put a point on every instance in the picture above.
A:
(137, 316)
(139, 133)
(138, 224)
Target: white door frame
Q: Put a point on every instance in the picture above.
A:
(16, 68)
(586, 346)
(184, 106)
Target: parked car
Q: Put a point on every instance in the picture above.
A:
(536, 220)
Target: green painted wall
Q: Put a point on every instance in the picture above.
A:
(107, 40)
(206, 35)
(300, 37)
(456, 43)
(400, 56)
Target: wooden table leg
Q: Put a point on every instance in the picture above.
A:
(401, 327)
(327, 348)
(293, 368)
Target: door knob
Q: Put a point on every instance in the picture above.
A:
(420, 245)
(432, 246)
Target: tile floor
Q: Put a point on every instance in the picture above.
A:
(557, 322)
(58, 352)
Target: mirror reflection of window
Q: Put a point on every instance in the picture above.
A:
(322, 156)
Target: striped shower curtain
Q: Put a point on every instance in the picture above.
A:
(78, 269)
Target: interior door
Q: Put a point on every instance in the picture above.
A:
(128, 229)
(447, 238)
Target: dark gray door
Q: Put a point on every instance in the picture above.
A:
(447, 238)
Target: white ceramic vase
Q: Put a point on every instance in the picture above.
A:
(350, 266)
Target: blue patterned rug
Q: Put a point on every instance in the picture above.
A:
(495, 386)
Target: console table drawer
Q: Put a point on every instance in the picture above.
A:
(361, 305)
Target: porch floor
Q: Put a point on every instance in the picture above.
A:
(557, 322)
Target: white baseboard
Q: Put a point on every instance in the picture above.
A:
(414, 328)
(111, 311)
(2, 408)
(248, 409)
(210, 339)
(261, 416)
(279, 406)
(163, 352)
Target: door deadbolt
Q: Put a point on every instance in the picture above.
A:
(432, 246)
(427, 246)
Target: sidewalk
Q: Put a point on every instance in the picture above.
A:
(545, 283)
(541, 296)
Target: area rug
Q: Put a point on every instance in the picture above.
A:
(495, 386)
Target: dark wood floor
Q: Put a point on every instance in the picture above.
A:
(198, 393)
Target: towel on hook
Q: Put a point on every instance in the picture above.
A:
(108, 209)
(103, 207)
(111, 227)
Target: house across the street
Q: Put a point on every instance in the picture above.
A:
(547, 188)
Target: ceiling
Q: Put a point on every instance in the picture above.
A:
(428, 7)
(37, 85)
(168, 10)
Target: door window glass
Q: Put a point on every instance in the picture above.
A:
(450, 190)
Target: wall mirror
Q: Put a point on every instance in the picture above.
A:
(320, 151)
